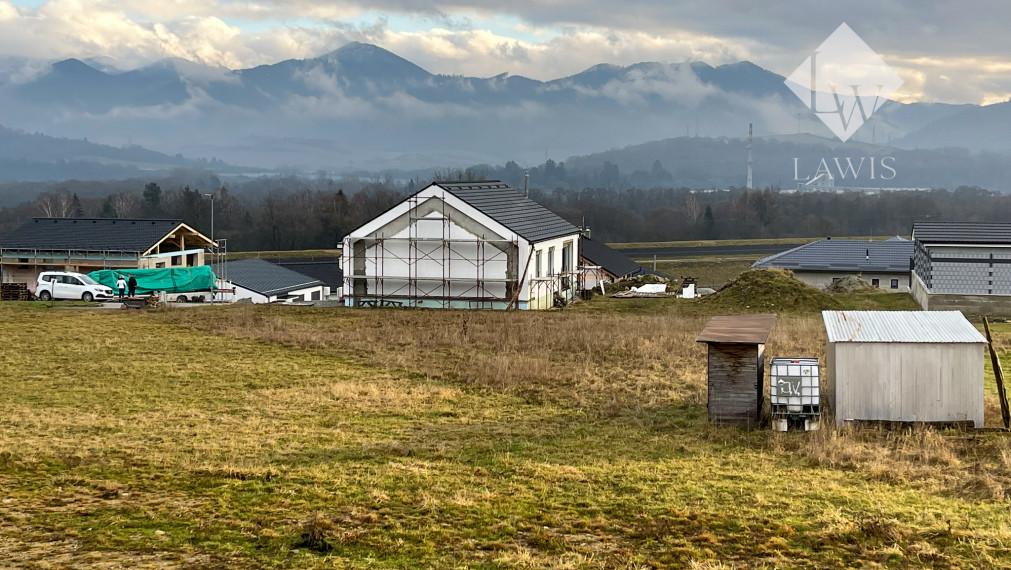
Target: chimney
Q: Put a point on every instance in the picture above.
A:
(526, 184)
(867, 254)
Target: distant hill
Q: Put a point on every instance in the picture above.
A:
(700, 162)
(361, 107)
(35, 157)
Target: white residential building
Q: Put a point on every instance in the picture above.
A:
(463, 245)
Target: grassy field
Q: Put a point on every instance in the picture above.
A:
(297, 254)
(709, 271)
(290, 437)
(719, 242)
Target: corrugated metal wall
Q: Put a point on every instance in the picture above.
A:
(922, 382)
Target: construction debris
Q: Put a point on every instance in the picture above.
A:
(850, 284)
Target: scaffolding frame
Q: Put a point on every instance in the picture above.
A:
(431, 258)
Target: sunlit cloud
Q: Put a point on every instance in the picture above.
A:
(942, 53)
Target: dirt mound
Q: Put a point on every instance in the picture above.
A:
(770, 290)
(850, 284)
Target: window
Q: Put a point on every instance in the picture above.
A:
(834, 279)
(895, 283)
(537, 267)
(315, 296)
(551, 261)
(876, 282)
(567, 257)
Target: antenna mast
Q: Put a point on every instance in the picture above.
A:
(749, 156)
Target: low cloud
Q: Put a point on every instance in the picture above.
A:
(943, 51)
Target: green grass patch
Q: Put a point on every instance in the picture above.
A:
(727, 242)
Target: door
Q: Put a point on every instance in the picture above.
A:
(71, 287)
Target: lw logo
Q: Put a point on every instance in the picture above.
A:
(844, 82)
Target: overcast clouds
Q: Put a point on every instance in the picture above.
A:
(944, 51)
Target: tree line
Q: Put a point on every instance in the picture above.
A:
(291, 213)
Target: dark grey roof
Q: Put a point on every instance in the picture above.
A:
(844, 255)
(267, 278)
(614, 262)
(101, 234)
(326, 270)
(512, 209)
(962, 232)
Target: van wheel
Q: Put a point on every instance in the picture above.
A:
(181, 299)
(45, 296)
(87, 297)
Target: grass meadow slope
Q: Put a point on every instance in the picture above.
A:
(289, 437)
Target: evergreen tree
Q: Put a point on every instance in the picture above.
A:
(151, 202)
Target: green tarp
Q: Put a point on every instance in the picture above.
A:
(169, 279)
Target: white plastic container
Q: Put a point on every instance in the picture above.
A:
(795, 388)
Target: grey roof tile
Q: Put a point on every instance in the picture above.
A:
(326, 270)
(89, 234)
(843, 255)
(962, 232)
(613, 261)
(511, 208)
(267, 278)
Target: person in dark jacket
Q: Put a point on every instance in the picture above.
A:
(132, 285)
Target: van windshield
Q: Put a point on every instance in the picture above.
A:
(88, 280)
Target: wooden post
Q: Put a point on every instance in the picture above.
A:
(998, 374)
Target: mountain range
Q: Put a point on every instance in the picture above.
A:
(364, 108)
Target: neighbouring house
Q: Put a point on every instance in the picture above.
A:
(882, 263)
(261, 281)
(85, 245)
(903, 366)
(735, 368)
(962, 266)
(463, 245)
(601, 264)
(327, 270)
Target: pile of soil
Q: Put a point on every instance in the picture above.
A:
(772, 290)
(851, 284)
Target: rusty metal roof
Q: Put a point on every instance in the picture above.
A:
(900, 326)
(738, 329)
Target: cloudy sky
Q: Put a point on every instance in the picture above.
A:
(943, 51)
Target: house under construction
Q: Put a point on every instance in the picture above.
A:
(463, 245)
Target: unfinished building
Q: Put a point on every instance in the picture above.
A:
(463, 245)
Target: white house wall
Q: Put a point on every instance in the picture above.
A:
(541, 290)
(822, 279)
(414, 255)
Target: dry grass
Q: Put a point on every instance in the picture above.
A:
(280, 437)
(578, 359)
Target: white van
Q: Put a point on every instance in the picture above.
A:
(70, 285)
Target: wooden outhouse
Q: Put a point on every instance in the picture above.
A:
(736, 367)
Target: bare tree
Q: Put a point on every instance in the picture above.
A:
(59, 204)
(692, 208)
(126, 204)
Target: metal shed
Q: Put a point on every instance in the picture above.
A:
(736, 367)
(904, 366)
